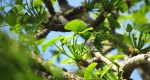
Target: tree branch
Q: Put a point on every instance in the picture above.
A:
(132, 63)
(99, 20)
(49, 71)
(55, 23)
(50, 7)
(99, 56)
(144, 71)
(73, 12)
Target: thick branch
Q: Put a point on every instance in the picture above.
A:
(50, 7)
(57, 22)
(69, 15)
(132, 63)
(49, 71)
(144, 71)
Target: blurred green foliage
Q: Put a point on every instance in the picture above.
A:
(15, 63)
(25, 17)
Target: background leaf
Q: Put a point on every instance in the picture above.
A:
(113, 22)
(129, 28)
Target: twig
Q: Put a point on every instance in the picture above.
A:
(132, 63)
(99, 56)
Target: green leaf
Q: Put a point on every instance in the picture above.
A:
(67, 38)
(1, 18)
(89, 71)
(66, 61)
(113, 22)
(50, 42)
(11, 19)
(85, 34)
(104, 71)
(53, 1)
(37, 2)
(39, 20)
(2, 7)
(41, 40)
(123, 6)
(117, 56)
(144, 27)
(51, 60)
(75, 25)
(19, 2)
(129, 28)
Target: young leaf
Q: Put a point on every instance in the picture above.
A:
(129, 28)
(88, 72)
(53, 41)
(75, 25)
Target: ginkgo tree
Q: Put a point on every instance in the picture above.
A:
(103, 26)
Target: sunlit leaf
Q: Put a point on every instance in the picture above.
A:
(50, 42)
(144, 27)
(89, 71)
(66, 61)
(117, 56)
(104, 71)
(37, 2)
(123, 6)
(53, 1)
(75, 25)
(67, 38)
(50, 61)
(41, 40)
